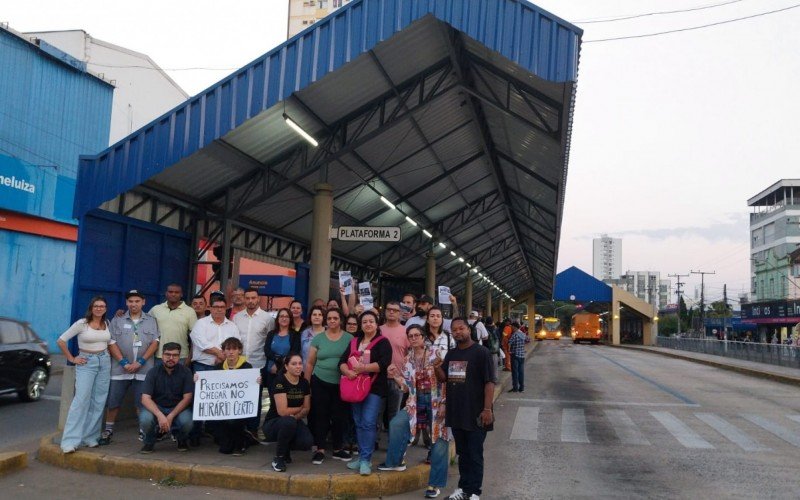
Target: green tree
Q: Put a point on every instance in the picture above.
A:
(668, 325)
(719, 309)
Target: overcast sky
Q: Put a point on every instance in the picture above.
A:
(672, 133)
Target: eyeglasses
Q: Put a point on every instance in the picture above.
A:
(392, 310)
(170, 355)
(352, 324)
(414, 335)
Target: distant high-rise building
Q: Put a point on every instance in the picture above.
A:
(606, 257)
(304, 13)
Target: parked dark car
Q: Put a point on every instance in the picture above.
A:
(24, 362)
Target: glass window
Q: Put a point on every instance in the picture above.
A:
(12, 332)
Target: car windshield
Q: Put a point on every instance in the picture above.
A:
(551, 324)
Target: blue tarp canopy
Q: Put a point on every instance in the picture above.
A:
(458, 113)
(580, 286)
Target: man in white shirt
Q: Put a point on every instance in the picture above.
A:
(480, 328)
(207, 337)
(254, 323)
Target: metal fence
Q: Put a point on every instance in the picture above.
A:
(774, 354)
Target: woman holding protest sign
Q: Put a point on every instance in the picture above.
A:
(230, 434)
(363, 383)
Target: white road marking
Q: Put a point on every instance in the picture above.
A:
(787, 435)
(626, 430)
(731, 432)
(796, 418)
(602, 403)
(50, 398)
(680, 431)
(573, 426)
(526, 424)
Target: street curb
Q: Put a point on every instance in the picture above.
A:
(12, 461)
(777, 377)
(311, 485)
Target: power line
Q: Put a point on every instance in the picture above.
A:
(692, 28)
(659, 13)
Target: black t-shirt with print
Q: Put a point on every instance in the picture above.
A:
(468, 370)
(295, 394)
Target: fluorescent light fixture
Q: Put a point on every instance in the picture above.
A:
(427, 233)
(461, 259)
(411, 221)
(469, 265)
(297, 128)
(442, 245)
(452, 253)
(388, 203)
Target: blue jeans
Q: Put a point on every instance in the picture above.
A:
(400, 434)
(86, 411)
(365, 415)
(181, 424)
(517, 373)
(469, 448)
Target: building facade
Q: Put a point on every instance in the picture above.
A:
(143, 91)
(53, 110)
(645, 285)
(774, 236)
(606, 258)
(304, 13)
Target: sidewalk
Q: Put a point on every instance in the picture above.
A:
(782, 374)
(204, 466)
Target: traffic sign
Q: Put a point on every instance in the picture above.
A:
(366, 233)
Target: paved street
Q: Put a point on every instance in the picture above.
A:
(593, 422)
(28, 421)
(603, 422)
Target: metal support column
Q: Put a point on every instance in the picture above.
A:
(224, 268)
(500, 309)
(468, 294)
(430, 274)
(531, 313)
(320, 275)
(488, 311)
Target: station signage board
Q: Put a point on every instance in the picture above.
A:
(366, 233)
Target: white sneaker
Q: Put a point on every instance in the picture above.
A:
(458, 494)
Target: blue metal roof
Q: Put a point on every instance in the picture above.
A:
(534, 39)
(575, 284)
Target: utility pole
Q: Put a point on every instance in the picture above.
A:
(679, 284)
(725, 310)
(702, 297)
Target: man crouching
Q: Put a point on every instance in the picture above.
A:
(166, 400)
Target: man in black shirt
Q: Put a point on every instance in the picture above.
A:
(470, 390)
(167, 397)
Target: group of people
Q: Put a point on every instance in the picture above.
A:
(330, 376)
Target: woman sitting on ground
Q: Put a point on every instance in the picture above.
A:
(290, 402)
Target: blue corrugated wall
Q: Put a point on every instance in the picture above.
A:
(50, 112)
(36, 275)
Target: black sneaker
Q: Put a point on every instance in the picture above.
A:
(183, 445)
(342, 455)
(288, 458)
(398, 468)
(317, 458)
(278, 464)
(147, 448)
(238, 452)
(105, 437)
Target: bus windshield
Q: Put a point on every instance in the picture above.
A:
(551, 324)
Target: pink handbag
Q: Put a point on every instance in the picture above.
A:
(357, 390)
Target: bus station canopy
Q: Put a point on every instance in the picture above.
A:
(457, 113)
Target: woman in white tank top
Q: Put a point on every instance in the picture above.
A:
(92, 376)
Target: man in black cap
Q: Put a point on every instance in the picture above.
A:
(424, 304)
(133, 344)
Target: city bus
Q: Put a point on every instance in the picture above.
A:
(586, 326)
(551, 329)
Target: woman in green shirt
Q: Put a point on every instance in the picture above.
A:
(322, 371)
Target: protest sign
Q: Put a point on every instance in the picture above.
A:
(346, 282)
(226, 394)
(444, 295)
